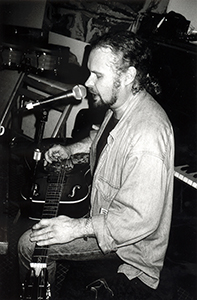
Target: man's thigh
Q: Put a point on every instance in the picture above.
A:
(79, 249)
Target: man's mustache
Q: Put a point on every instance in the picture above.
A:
(92, 91)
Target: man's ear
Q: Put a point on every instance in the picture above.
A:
(130, 75)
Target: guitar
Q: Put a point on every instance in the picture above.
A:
(62, 181)
(76, 181)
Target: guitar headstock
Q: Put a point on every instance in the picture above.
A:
(36, 287)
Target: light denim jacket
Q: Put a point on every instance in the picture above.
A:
(132, 189)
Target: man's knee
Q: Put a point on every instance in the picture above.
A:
(25, 246)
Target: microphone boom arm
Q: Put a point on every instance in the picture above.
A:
(78, 92)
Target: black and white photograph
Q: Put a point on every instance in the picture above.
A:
(98, 150)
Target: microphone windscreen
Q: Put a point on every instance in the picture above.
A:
(79, 92)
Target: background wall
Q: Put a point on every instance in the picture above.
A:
(84, 20)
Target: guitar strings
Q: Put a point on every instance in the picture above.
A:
(50, 210)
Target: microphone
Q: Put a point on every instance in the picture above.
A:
(78, 92)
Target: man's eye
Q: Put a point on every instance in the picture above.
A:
(98, 76)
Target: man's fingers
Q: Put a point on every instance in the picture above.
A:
(43, 223)
(47, 158)
(52, 154)
(41, 235)
(46, 242)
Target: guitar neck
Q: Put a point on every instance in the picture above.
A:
(40, 254)
(50, 210)
(52, 199)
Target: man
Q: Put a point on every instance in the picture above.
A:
(132, 164)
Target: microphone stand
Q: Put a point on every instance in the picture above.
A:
(43, 118)
(37, 153)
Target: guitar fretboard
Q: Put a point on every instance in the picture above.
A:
(40, 255)
(52, 199)
(50, 210)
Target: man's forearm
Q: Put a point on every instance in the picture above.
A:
(84, 228)
(81, 147)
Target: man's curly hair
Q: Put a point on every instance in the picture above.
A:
(131, 51)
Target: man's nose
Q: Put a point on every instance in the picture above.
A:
(89, 82)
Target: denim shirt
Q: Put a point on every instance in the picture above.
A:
(132, 189)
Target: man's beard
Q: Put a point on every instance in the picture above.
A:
(98, 101)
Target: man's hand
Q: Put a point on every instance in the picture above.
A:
(57, 230)
(57, 153)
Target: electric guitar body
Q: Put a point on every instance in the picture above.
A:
(74, 198)
(75, 187)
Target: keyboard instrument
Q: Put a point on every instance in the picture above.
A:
(183, 174)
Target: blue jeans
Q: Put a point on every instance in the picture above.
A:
(77, 250)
